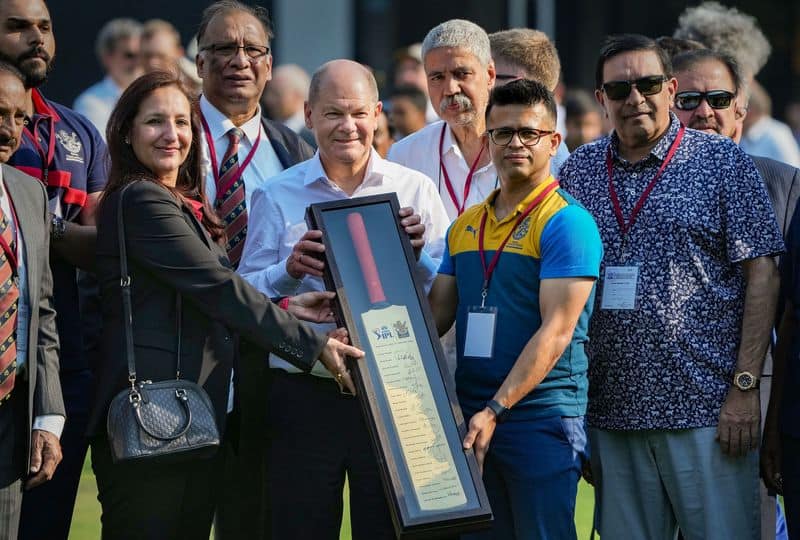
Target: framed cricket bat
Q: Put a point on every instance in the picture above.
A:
(432, 484)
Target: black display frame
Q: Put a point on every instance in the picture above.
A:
(409, 521)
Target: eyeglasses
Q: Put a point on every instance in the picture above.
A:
(229, 50)
(527, 136)
(716, 99)
(647, 86)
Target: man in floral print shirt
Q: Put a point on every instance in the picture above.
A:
(683, 311)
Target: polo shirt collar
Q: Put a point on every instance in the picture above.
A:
(377, 169)
(219, 124)
(488, 204)
(661, 148)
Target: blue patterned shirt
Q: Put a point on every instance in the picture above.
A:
(669, 363)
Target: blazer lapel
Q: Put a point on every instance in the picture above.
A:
(27, 216)
(191, 219)
(275, 139)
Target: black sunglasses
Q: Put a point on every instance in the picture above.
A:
(716, 99)
(647, 86)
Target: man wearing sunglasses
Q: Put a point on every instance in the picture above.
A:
(235, 64)
(684, 310)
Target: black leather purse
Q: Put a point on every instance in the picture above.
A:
(164, 420)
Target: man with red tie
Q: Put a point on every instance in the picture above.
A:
(243, 150)
(31, 407)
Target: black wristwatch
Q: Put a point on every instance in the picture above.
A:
(500, 412)
(57, 228)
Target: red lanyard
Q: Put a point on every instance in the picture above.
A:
(467, 183)
(488, 270)
(623, 226)
(11, 254)
(46, 155)
(213, 154)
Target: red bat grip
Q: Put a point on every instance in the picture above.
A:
(358, 232)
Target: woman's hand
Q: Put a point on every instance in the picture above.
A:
(333, 358)
(315, 306)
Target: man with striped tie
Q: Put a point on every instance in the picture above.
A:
(243, 150)
(31, 407)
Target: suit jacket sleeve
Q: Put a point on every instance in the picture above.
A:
(47, 398)
(163, 242)
(290, 147)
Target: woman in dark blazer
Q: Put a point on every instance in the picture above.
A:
(173, 245)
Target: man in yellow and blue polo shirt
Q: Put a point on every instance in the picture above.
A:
(518, 276)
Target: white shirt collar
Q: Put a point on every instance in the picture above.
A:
(219, 124)
(450, 144)
(377, 168)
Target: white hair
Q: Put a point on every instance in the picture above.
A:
(726, 30)
(462, 34)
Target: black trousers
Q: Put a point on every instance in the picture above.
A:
(790, 470)
(172, 501)
(318, 436)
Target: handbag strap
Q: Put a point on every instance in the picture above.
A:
(127, 309)
(125, 289)
(179, 330)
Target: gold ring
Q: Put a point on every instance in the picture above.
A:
(339, 376)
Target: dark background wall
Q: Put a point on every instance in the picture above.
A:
(383, 25)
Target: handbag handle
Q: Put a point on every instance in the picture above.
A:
(127, 309)
(183, 398)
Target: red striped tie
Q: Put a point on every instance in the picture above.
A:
(9, 297)
(230, 202)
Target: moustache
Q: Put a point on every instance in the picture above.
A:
(38, 52)
(8, 141)
(700, 125)
(460, 100)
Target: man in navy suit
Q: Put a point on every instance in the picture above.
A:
(235, 64)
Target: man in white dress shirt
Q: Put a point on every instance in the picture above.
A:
(319, 434)
(460, 70)
(117, 48)
(242, 151)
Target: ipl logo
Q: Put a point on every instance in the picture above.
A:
(382, 333)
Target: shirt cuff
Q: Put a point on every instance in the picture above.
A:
(53, 423)
(427, 267)
(280, 281)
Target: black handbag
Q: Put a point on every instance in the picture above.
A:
(164, 420)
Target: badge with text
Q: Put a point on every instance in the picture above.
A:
(619, 287)
(481, 323)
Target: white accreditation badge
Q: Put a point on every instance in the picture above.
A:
(620, 284)
(481, 325)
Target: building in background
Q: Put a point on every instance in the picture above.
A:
(314, 31)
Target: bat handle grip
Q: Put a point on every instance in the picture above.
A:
(358, 232)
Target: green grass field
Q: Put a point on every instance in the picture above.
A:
(86, 520)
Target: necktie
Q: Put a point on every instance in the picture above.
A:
(230, 203)
(9, 298)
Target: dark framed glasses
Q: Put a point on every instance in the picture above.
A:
(716, 99)
(229, 50)
(647, 86)
(527, 136)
